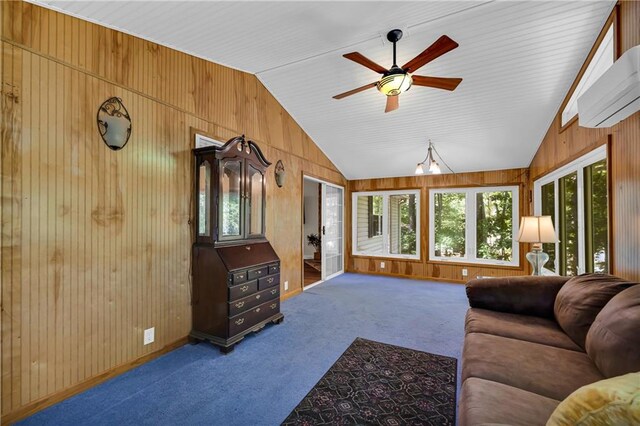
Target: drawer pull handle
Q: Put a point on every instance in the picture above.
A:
(239, 304)
(244, 288)
(240, 321)
(257, 309)
(273, 305)
(257, 296)
(270, 280)
(274, 291)
(259, 272)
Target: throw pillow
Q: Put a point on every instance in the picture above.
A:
(614, 401)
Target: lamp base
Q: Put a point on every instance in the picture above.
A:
(537, 258)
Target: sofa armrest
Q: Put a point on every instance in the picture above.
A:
(525, 295)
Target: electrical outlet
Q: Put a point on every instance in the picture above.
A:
(464, 272)
(286, 285)
(149, 335)
(381, 265)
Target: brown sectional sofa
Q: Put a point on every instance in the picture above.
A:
(530, 343)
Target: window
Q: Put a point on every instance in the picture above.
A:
(576, 198)
(387, 223)
(600, 62)
(475, 225)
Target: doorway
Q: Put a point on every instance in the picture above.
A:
(322, 231)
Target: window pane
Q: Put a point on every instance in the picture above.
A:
(568, 208)
(549, 209)
(596, 218)
(204, 204)
(402, 224)
(494, 228)
(449, 224)
(369, 222)
(256, 201)
(230, 188)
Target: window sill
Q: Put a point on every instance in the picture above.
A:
(387, 257)
(477, 264)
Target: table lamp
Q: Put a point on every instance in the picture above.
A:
(537, 230)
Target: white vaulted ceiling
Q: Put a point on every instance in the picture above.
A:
(517, 60)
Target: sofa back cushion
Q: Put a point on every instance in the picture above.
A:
(581, 299)
(613, 341)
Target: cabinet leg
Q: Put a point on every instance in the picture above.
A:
(226, 349)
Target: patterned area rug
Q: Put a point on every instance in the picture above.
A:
(378, 384)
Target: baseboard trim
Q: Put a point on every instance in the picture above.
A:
(47, 401)
(291, 294)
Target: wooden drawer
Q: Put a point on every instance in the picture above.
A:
(242, 290)
(269, 281)
(247, 319)
(258, 272)
(237, 277)
(252, 301)
(274, 292)
(274, 269)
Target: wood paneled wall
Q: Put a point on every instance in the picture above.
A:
(96, 244)
(561, 146)
(423, 268)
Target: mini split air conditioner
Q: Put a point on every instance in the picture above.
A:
(615, 95)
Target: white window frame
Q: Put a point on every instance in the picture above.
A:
(577, 166)
(385, 223)
(470, 224)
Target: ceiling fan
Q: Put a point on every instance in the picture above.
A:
(396, 80)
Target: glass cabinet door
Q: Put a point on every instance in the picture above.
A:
(230, 200)
(204, 199)
(255, 207)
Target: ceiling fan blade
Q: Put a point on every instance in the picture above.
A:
(354, 91)
(362, 60)
(441, 46)
(437, 82)
(392, 103)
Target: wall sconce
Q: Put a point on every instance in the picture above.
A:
(280, 174)
(114, 123)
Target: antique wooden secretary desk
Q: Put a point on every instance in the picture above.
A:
(236, 272)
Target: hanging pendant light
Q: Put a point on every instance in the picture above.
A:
(434, 167)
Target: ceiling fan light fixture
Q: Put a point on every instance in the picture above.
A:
(394, 84)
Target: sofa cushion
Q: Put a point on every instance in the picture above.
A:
(545, 370)
(524, 295)
(614, 401)
(522, 327)
(581, 299)
(613, 342)
(486, 402)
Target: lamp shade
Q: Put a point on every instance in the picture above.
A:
(537, 229)
(419, 169)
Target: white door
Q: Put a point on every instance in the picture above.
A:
(332, 231)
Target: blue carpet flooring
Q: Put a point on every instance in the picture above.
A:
(270, 372)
